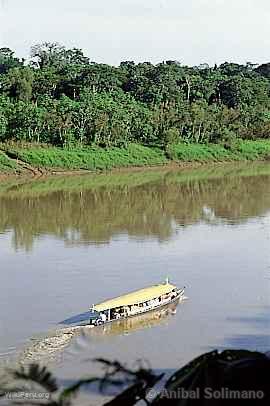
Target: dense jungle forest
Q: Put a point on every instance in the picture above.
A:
(60, 97)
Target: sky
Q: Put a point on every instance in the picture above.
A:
(110, 31)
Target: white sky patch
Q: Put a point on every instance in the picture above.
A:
(191, 31)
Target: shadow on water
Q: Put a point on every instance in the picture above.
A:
(79, 319)
(49, 349)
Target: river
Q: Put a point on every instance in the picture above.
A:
(69, 242)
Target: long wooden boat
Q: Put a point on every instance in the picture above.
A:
(138, 322)
(135, 303)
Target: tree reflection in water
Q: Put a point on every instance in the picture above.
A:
(93, 209)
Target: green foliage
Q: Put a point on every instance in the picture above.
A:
(7, 165)
(18, 83)
(94, 158)
(171, 136)
(63, 99)
(254, 149)
(7, 60)
(3, 125)
(91, 158)
(232, 150)
(264, 70)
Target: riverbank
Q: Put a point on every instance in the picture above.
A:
(22, 187)
(40, 159)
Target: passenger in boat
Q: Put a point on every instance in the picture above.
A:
(155, 301)
(103, 317)
(133, 309)
(116, 314)
(152, 302)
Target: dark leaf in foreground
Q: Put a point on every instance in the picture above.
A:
(37, 374)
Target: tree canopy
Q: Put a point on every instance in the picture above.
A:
(61, 97)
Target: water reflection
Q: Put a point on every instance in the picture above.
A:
(93, 209)
(49, 349)
(132, 324)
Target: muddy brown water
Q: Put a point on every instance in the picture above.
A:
(66, 243)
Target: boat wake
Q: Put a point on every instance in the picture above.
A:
(50, 349)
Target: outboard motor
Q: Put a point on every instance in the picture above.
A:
(94, 317)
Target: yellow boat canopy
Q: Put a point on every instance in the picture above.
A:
(139, 296)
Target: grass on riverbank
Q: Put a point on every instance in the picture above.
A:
(243, 150)
(6, 164)
(95, 158)
(89, 158)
